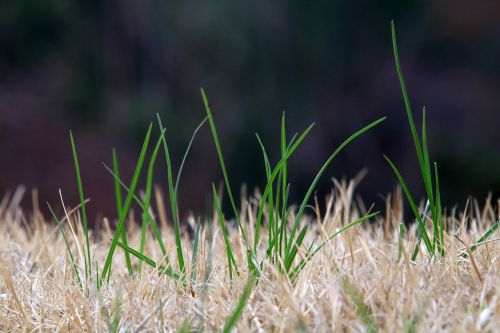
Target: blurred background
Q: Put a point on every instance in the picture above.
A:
(105, 68)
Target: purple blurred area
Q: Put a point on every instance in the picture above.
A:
(105, 68)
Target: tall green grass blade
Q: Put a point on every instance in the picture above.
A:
(119, 205)
(420, 221)
(300, 212)
(439, 224)
(229, 252)
(237, 312)
(68, 247)
(223, 167)
(128, 201)
(88, 263)
(173, 202)
(147, 199)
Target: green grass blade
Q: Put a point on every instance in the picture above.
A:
(421, 225)
(167, 270)
(88, 263)
(151, 220)
(276, 170)
(128, 201)
(400, 240)
(237, 312)
(147, 199)
(406, 99)
(173, 202)
(223, 166)
(184, 158)
(484, 238)
(295, 248)
(270, 200)
(439, 224)
(194, 257)
(300, 213)
(229, 251)
(68, 247)
(119, 205)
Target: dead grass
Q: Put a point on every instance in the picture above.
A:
(356, 283)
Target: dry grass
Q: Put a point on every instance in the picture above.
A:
(355, 283)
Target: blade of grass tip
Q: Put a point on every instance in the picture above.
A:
(88, 264)
(405, 95)
(420, 221)
(237, 312)
(229, 251)
(167, 270)
(119, 205)
(310, 254)
(126, 206)
(173, 201)
(147, 199)
(223, 166)
(151, 220)
(68, 247)
(300, 213)
(194, 258)
(181, 168)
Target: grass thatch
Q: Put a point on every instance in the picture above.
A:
(363, 280)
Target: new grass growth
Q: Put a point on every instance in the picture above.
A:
(436, 244)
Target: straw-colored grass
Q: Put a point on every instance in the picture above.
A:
(355, 283)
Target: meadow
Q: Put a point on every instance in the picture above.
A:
(264, 265)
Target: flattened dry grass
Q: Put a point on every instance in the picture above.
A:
(363, 280)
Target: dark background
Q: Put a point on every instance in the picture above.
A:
(104, 68)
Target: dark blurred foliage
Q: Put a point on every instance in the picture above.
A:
(104, 68)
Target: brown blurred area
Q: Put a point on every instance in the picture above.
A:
(105, 68)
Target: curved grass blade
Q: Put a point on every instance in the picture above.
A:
(184, 158)
(300, 213)
(420, 222)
